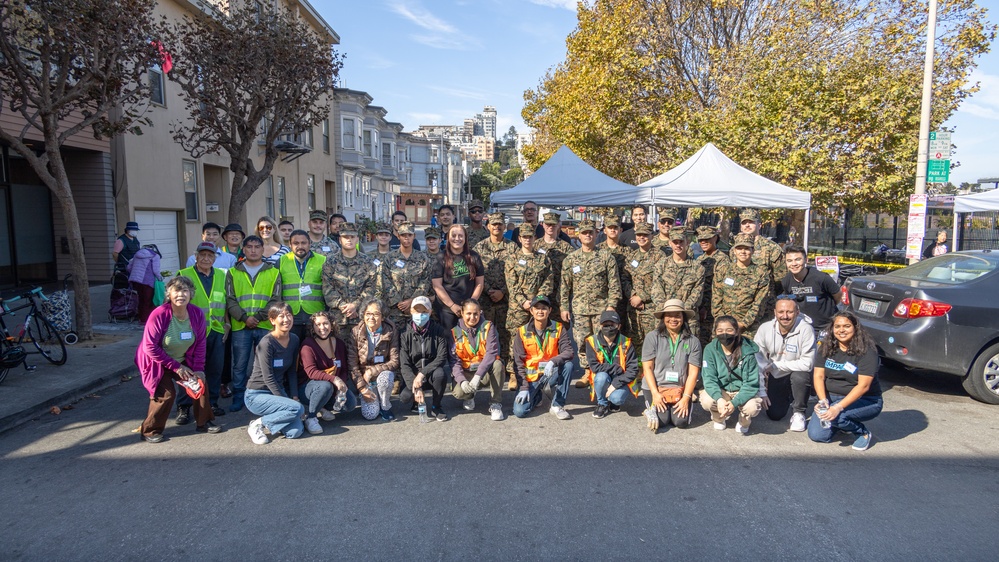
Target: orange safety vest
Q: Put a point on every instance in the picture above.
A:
(622, 356)
(467, 354)
(537, 350)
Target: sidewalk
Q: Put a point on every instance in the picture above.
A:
(89, 368)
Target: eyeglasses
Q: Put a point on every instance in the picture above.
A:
(530, 210)
(664, 221)
(475, 211)
(372, 314)
(265, 227)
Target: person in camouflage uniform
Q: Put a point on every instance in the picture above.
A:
(495, 251)
(679, 276)
(433, 234)
(612, 229)
(667, 220)
(528, 274)
(349, 277)
(319, 241)
(741, 287)
(642, 271)
(383, 236)
(556, 250)
(590, 286)
(766, 253)
(711, 259)
(407, 274)
(477, 232)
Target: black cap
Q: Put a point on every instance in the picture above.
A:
(234, 227)
(541, 299)
(610, 316)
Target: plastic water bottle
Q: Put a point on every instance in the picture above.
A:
(341, 401)
(422, 408)
(820, 409)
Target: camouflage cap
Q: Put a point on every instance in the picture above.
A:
(586, 225)
(407, 228)
(643, 228)
(742, 239)
(432, 232)
(552, 217)
(349, 229)
(475, 203)
(382, 226)
(750, 215)
(317, 214)
(670, 212)
(526, 229)
(678, 233)
(706, 232)
(612, 220)
(496, 218)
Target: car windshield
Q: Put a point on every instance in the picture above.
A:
(952, 269)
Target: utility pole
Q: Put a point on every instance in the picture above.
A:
(924, 123)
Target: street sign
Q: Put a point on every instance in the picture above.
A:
(937, 171)
(940, 146)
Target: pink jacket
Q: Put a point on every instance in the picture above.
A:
(150, 358)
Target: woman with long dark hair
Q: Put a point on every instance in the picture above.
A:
(458, 276)
(323, 381)
(671, 361)
(274, 375)
(731, 376)
(846, 383)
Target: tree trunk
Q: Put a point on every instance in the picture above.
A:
(81, 279)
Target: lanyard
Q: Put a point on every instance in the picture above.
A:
(600, 348)
(673, 348)
(473, 340)
(301, 266)
(541, 346)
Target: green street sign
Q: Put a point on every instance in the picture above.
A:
(937, 171)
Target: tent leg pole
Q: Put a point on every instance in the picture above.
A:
(957, 231)
(808, 216)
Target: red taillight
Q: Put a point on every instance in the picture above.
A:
(844, 295)
(919, 308)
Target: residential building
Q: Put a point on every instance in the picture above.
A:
(486, 122)
(523, 139)
(485, 149)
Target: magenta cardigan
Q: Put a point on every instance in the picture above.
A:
(150, 357)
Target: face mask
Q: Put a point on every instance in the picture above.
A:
(131, 232)
(727, 339)
(610, 332)
(421, 318)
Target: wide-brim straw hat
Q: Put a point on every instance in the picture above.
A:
(675, 305)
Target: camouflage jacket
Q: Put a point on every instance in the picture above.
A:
(590, 283)
(325, 247)
(622, 255)
(739, 292)
(642, 270)
(349, 281)
(406, 278)
(476, 235)
(556, 251)
(494, 258)
(715, 261)
(528, 277)
(684, 281)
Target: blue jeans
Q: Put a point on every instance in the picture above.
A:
(863, 409)
(321, 394)
(214, 355)
(244, 347)
(559, 381)
(278, 413)
(601, 382)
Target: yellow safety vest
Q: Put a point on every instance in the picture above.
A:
(292, 283)
(253, 297)
(212, 305)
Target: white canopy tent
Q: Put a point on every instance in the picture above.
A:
(566, 180)
(711, 179)
(978, 202)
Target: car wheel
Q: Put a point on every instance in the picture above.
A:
(982, 383)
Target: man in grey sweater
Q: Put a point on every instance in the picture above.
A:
(787, 352)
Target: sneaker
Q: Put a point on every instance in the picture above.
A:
(152, 438)
(218, 411)
(863, 441)
(326, 415)
(797, 422)
(496, 412)
(468, 404)
(718, 425)
(256, 431)
(611, 408)
(600, 412)
(740, 429)
(209, 427)
(560, 413)
(387, 415)
(438, 415)
(313, 427)
(184, 415)
(581, 383)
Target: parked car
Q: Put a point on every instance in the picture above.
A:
(940, 314)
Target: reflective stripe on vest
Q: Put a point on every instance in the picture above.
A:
(291, 282)
(538, 351)
(214, 305)
(253, 297)
(463, 347)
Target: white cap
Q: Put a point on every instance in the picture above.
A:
(421, 300)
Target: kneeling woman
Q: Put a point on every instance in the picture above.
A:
(476, 348)
(671, 360)
(731, 376)
(323, 380)
(273, 372)
(846, 382)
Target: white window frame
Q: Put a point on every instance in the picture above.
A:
(282, 198)
(269, 196)
(157, 75)
(326, 136)
(349, 134)
(190, 189)
(310, 189)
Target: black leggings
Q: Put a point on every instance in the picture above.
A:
(434, 382)
(668, 416)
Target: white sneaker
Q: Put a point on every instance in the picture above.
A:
(468, 404)
(740, 429)
(496, 412)
(326, 415)
(313, 427)
(560, 413)
(797, 422)
(256, 431)
(718, 425)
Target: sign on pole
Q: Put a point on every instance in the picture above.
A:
(917, 227)
(828, 265)
(938, 159)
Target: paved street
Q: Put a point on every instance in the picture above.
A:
(82, 486)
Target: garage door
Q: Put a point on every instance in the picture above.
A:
(160, 228)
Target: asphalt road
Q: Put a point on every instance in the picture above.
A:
(81, 486)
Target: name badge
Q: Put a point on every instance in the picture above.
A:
(576, 269)
(849, 367)
(730, 282)
(336, 363)
(522, 262)
(400, 264)
(278, 363)
(811, 299)
(542, 365)
(704, 365)
(634, 263)
(791, 348)
(379, 359)
(325, 248)
(186, 335)
(376, 262)
(672, 376)
(542, 251)
(305, 290)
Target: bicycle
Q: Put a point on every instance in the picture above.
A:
(36, 329)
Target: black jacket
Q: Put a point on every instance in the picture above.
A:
(422, 351)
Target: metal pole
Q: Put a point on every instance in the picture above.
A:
(924, 115)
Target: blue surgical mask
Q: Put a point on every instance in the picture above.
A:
(421, 318)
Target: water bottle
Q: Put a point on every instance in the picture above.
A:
(341, 401)
(821, 408)
(422, 408)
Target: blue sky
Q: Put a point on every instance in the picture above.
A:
(440, 61)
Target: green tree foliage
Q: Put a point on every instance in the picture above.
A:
(513, 176)
(820, 95)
